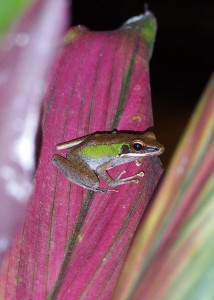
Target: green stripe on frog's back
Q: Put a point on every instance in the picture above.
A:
(97, 151)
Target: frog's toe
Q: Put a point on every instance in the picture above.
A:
(121, 174)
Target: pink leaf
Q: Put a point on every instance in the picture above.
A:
(74, 241)
(24, 59)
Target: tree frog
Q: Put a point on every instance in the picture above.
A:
(89, 157)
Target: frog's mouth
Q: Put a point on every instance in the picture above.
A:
(147, 151)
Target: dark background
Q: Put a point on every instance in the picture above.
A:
(182, 61)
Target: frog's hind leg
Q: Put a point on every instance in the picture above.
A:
(77, 171)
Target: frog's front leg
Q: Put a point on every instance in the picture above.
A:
(77, 171)
(102, 173)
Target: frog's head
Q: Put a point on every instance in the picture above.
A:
(141, 146)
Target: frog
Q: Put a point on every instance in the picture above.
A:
(88, 158)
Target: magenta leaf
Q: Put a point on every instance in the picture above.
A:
(74, 241)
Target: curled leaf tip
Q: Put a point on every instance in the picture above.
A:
(146, 25)
(74, 31)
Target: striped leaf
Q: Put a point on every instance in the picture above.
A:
(73, 242)
(172, 254)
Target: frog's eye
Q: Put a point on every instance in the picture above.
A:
(138, 146)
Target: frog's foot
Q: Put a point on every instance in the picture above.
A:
(104, 190)
(131, 178)
(118, 181)
(138, 163)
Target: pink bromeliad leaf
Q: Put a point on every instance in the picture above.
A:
(25, 55)
(73, 242)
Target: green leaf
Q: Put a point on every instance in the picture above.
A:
(10, 10)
